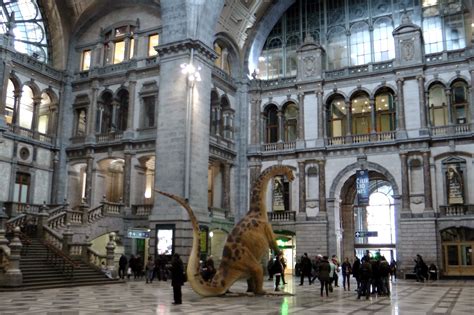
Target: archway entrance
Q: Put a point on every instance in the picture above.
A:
(370, 227)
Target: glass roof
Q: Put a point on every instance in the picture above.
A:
(29, 30)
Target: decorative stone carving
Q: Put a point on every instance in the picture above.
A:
(310, 60)
(409, 49)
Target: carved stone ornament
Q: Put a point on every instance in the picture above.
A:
(408, 50)
(309, 63)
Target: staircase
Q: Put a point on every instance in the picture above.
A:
(38, 273)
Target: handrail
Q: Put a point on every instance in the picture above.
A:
(95, 258)
(59, 259)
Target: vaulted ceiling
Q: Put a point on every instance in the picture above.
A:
(237, 18)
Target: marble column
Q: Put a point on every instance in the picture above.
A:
(321, 115)
(131, 105)
(428, 113)
(281, 135)
(322, 186)
(16, 111)
(471, 90)
(263, 128)
(127, 176)
(372, 116)
(35, 120)
(450, 106)
(301, 116)
(400, 106)
(302, 186)
(405, 187)
(5, 69)
(89, 174)
(92, 111)
(421, 95)
(218, 120)
(349, 119)
(255, 120)
(427, 181)
(226, 184)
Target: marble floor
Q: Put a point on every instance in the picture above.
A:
(136, 297)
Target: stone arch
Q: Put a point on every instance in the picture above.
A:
(52, 95)
(288, 102)
(33, 86)
(359, 91)
(434, 81)
(330, 96)
(16, 81)
(384, 87)
(459, 78)
(234, 60)
(267, 105)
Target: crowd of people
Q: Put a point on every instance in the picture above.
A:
(372, 274)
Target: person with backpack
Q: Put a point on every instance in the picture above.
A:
(365, 274)
(323, 271)
(384, 273)
(346, 274)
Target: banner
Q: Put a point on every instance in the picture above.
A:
(362, 186)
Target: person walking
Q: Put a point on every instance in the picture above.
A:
(277, 270)
(122, 266)
(150, 269)
(337, 268)
(346, 274)
(305, 268)
(177, 278)
(323, 271)
(283, 264)
(317, 261)
(355, 271)
(365, 274)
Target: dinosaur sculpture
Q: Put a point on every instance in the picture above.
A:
(245, 247)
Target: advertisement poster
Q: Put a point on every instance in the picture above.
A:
(164, 240)
(362, 186)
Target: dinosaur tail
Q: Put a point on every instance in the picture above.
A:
(195, 279)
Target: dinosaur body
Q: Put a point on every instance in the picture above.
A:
(245, 246)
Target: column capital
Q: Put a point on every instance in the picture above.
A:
(420, 78)
(184, 46)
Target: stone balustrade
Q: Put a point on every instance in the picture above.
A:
(282, 216)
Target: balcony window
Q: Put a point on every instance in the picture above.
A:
(26, 108)
(10, 102)
(152, 42)
(337, 116)
(291, 122)
(459, 101)
(385, 112)
(271, 124)
(86, 60)
(119, 51)
(149, 111)
(361, 114)
(438, 105)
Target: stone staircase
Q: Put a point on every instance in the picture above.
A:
(41, 273)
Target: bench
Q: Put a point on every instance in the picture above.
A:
(410, 275)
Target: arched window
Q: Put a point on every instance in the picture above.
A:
(385, 111)
(360, 44)
(21, 190)
(28, 27)
(227, 119)
(104, 113)
(26, 107)
(222, 60)
(119, 45)
(438, 105)
(44, 114)
(291, 64)
(122, 110)
(432, 28)
(274, 59)
(271, 114)
(337, 117)
(361, 117)
(10, 102)
(337, 48)
(291, 122)
(459, 102)
(383, 40)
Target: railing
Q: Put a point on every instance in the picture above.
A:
(456, 210)
(45, 138)
(56, 209)
(35, 64)
(112, 207)
(14, 208)
(111, 136)
(222, 74)
(59, 260)
(279, 82)
(77, 139)
(57, 221)
(360, 138)
(279, 146)
(19, 221)
(221, 141)
(282, 216)
(363, 138)
(95, 213)
(74, 217)
(336, 141)
(385, 136)
(450, 130)
(95, 258)
(52, 237)
(142, 210)
(124, 66)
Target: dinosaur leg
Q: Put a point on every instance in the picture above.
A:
(250, 285)
(249, 264)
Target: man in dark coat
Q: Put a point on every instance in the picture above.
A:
(365, 274)
(323, 271)
(177, 278)
(122, 266)
(306, 267)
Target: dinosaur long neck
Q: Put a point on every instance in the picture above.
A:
(257, 199)
(195, 279)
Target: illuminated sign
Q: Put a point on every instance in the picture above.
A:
(138, 233)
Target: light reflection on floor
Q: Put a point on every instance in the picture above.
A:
(136, 297)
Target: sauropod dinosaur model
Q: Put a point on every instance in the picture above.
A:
(245, 246)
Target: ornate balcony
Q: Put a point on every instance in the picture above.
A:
(282, 216)
(109, 137)
(456, 210)
(364, 138)
(279, 146)
(450, 130)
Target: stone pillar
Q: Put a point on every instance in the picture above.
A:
(115, 109)
(131, 105)
(218, 120)
(471, 93)
(127, 48)
(263, 128)
(13, 276)
(322, 128)
(322, 187)
(372, 116)
(428, 113)
(349, 119)
(89, 174)
(302, 186)
(255, 120)
(405, 187)
(87, 245)
(281, 135)
(226, 192)
(127, 176)
(42, 222)
(5, 70)
(35, 120)
(301, 116)
(421, 95)
(427, 181)
(400, 106)
(450, 106)
(92, 112)
(67, 240)
(111, 255)
(16, 110)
